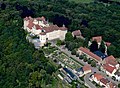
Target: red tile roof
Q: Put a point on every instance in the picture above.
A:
(88, 52)
(38, 27)
(104, 81)
(98, 39)
(86, 67)
(112, 85)
(98, 76)
(62, 28)
(53, 28)
(40, 18)
(111, 60)
(31, 24)
(47, 29)
(109, 68)
(76, 33)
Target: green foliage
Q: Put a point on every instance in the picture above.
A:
(22, 66)
(89, 61)
(59, 42)
(93, 64)
(102, 47)
(85, 43)
(82, 1)
(81, 57)
(77, 54)
(111, 50)
(82, 78)
(85, 59)
(68, 36)
(34, 37)
(118, 85)
(73, 52)
(76, 43)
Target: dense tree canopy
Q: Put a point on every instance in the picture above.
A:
(94, 46)
(21, 65)
(102, 47)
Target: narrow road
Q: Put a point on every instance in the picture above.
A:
(88, 82)
(94, 69)
(86, 77)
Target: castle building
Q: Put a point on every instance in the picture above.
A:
(46, 32)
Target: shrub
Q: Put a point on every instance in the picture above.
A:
(77, 54)
(73, 52)
(93, 64)
(85, 59)
(81, 57)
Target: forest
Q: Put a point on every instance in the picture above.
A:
(21, 66)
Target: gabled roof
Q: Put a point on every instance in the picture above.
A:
(104, 81)
(53, 28)
(111, 60)
(87, 51)
(98, 39)
(62, 28)
(109, 68)
(40, 18)
(31, 24)
(38, 27)
(86, 68)
(112, 85)
(98, 76)
(76, 33)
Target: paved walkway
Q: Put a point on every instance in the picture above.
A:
(86, 77)
(94, 69)
(87, 82)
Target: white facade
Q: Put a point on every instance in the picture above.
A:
(62, 34)
(102, 84)
(88, 71)
(53, 35)
(26, 22)
(36, 26)
(95, 79)
(111, 74)
(42, 39)
(117, 77)
(57, 34)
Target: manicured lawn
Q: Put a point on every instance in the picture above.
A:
(83, 1)
(68, 61)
